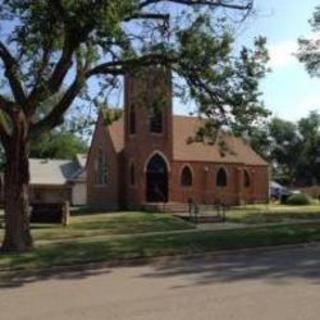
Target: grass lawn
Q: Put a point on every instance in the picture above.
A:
(272, 213)
(94, 237)
(144, 246)
(108, 224)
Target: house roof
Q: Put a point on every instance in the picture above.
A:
(52, 171)
(184, 128)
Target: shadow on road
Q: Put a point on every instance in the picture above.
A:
(20, 278)
(276, 265)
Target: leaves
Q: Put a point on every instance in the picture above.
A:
(64, 44)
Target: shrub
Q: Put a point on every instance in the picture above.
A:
(299, 199)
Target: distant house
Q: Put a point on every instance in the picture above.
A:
(55, 180)
(148, 156)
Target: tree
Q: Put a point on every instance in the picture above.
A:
(285, 149)
(292, 148)
(60, 144)
(309, 49)
(308, 170)
(63, 44)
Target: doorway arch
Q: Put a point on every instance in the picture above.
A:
(157, 179)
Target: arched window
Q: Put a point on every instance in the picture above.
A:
(222, 179)
(132, 175)
(246, 179)
(156, 120)
(132, 119)
(186, 177)
(101, 168)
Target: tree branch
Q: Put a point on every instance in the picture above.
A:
(10, 65)
(211, 3)
(7, 105)
(54, 118)
(122, 66)
(147, 15)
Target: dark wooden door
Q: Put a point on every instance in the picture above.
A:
(157, 180)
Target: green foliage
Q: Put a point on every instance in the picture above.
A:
(299, 199)
(56, 38)
(309, 53)
(292, 148)
(57, 144)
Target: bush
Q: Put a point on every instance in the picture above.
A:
(299, 199)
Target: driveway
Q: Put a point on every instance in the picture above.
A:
(275, 284)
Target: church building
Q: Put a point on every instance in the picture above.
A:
(151, 157)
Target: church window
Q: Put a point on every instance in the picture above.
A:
(156, 121)
(186, 177)
(132, 119)
(247, 180)
(101, 169)
(221, 180)
(132, 175)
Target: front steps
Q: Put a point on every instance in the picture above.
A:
(169, 207)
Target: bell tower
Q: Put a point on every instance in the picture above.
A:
(148, 105)
(148, 123)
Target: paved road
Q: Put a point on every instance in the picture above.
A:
(277, 284)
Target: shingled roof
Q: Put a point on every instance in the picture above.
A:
(56, 172)
(184, 128)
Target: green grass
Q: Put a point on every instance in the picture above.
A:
(94, 237)
(108, 224)
(146, 246)
(272, 213)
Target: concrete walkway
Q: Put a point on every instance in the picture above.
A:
(255, 285)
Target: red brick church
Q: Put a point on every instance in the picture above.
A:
(149, 156)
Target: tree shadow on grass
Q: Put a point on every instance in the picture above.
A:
(269, 265)
(277, 266)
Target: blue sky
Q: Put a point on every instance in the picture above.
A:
(288, 91)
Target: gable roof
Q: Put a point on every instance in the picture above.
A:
(237, 150)
(53, 172)
(116, 130)
(185, 128)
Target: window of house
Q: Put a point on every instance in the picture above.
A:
(247, 180)
(156, 124)
(222, 180)
(186, 177)
(132, 119)
(132, 175)
(101, 169)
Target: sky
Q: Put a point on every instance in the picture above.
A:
(289, 92)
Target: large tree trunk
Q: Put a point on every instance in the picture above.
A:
(16, 183)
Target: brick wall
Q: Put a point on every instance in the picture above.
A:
(204, 189)
(102, 196)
